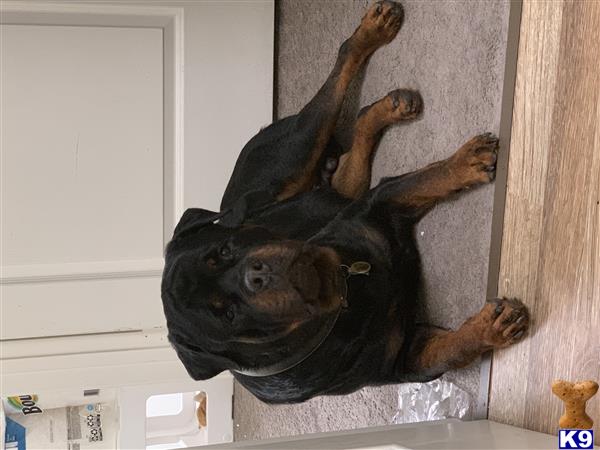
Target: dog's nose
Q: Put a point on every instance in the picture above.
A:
(257, 276)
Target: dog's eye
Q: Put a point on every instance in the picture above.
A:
(210, 262)
(225, 252)
(230, 314)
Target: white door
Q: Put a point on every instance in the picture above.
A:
(103, 145)
(82, 179)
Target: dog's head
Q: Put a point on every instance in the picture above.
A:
(242, 298)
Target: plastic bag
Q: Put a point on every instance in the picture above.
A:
(436, 400)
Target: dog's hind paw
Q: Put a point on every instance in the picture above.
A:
(404, 104)
(381, 24)
(401, 104)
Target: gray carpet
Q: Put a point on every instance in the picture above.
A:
(453, 53)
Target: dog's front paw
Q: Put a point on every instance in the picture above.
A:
(475, 162)
(502, 322)
(381, 24)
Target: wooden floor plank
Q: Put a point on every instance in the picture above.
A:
(550, 249)
(539, 47)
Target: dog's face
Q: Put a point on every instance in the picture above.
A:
(240, 298)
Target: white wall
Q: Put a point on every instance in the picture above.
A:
(237, 75)
(234, 74)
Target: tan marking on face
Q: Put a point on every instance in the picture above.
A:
(294, 325)
(303, 281)
(271, 251)
(216, 301)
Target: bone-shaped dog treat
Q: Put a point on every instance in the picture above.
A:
(574, 396)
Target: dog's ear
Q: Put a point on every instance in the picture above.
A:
(193, 219)
(200, 365)
(250, 203)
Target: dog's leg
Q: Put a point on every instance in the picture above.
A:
(353, 175)
(415, 193)
(317, 120)
(286, 158)
(501, 322)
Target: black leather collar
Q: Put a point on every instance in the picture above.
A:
(288, 363)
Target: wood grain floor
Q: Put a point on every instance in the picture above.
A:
(551, 239)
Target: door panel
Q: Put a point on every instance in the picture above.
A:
(81, 307)
(82, 183)
(82, 144)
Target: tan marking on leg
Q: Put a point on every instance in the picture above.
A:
(353, 176)
(473, 164)
(499, 324)
(378, 27)
(306, 179)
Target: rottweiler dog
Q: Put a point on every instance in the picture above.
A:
(307, 281)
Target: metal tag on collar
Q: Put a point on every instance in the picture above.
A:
(358, 268)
